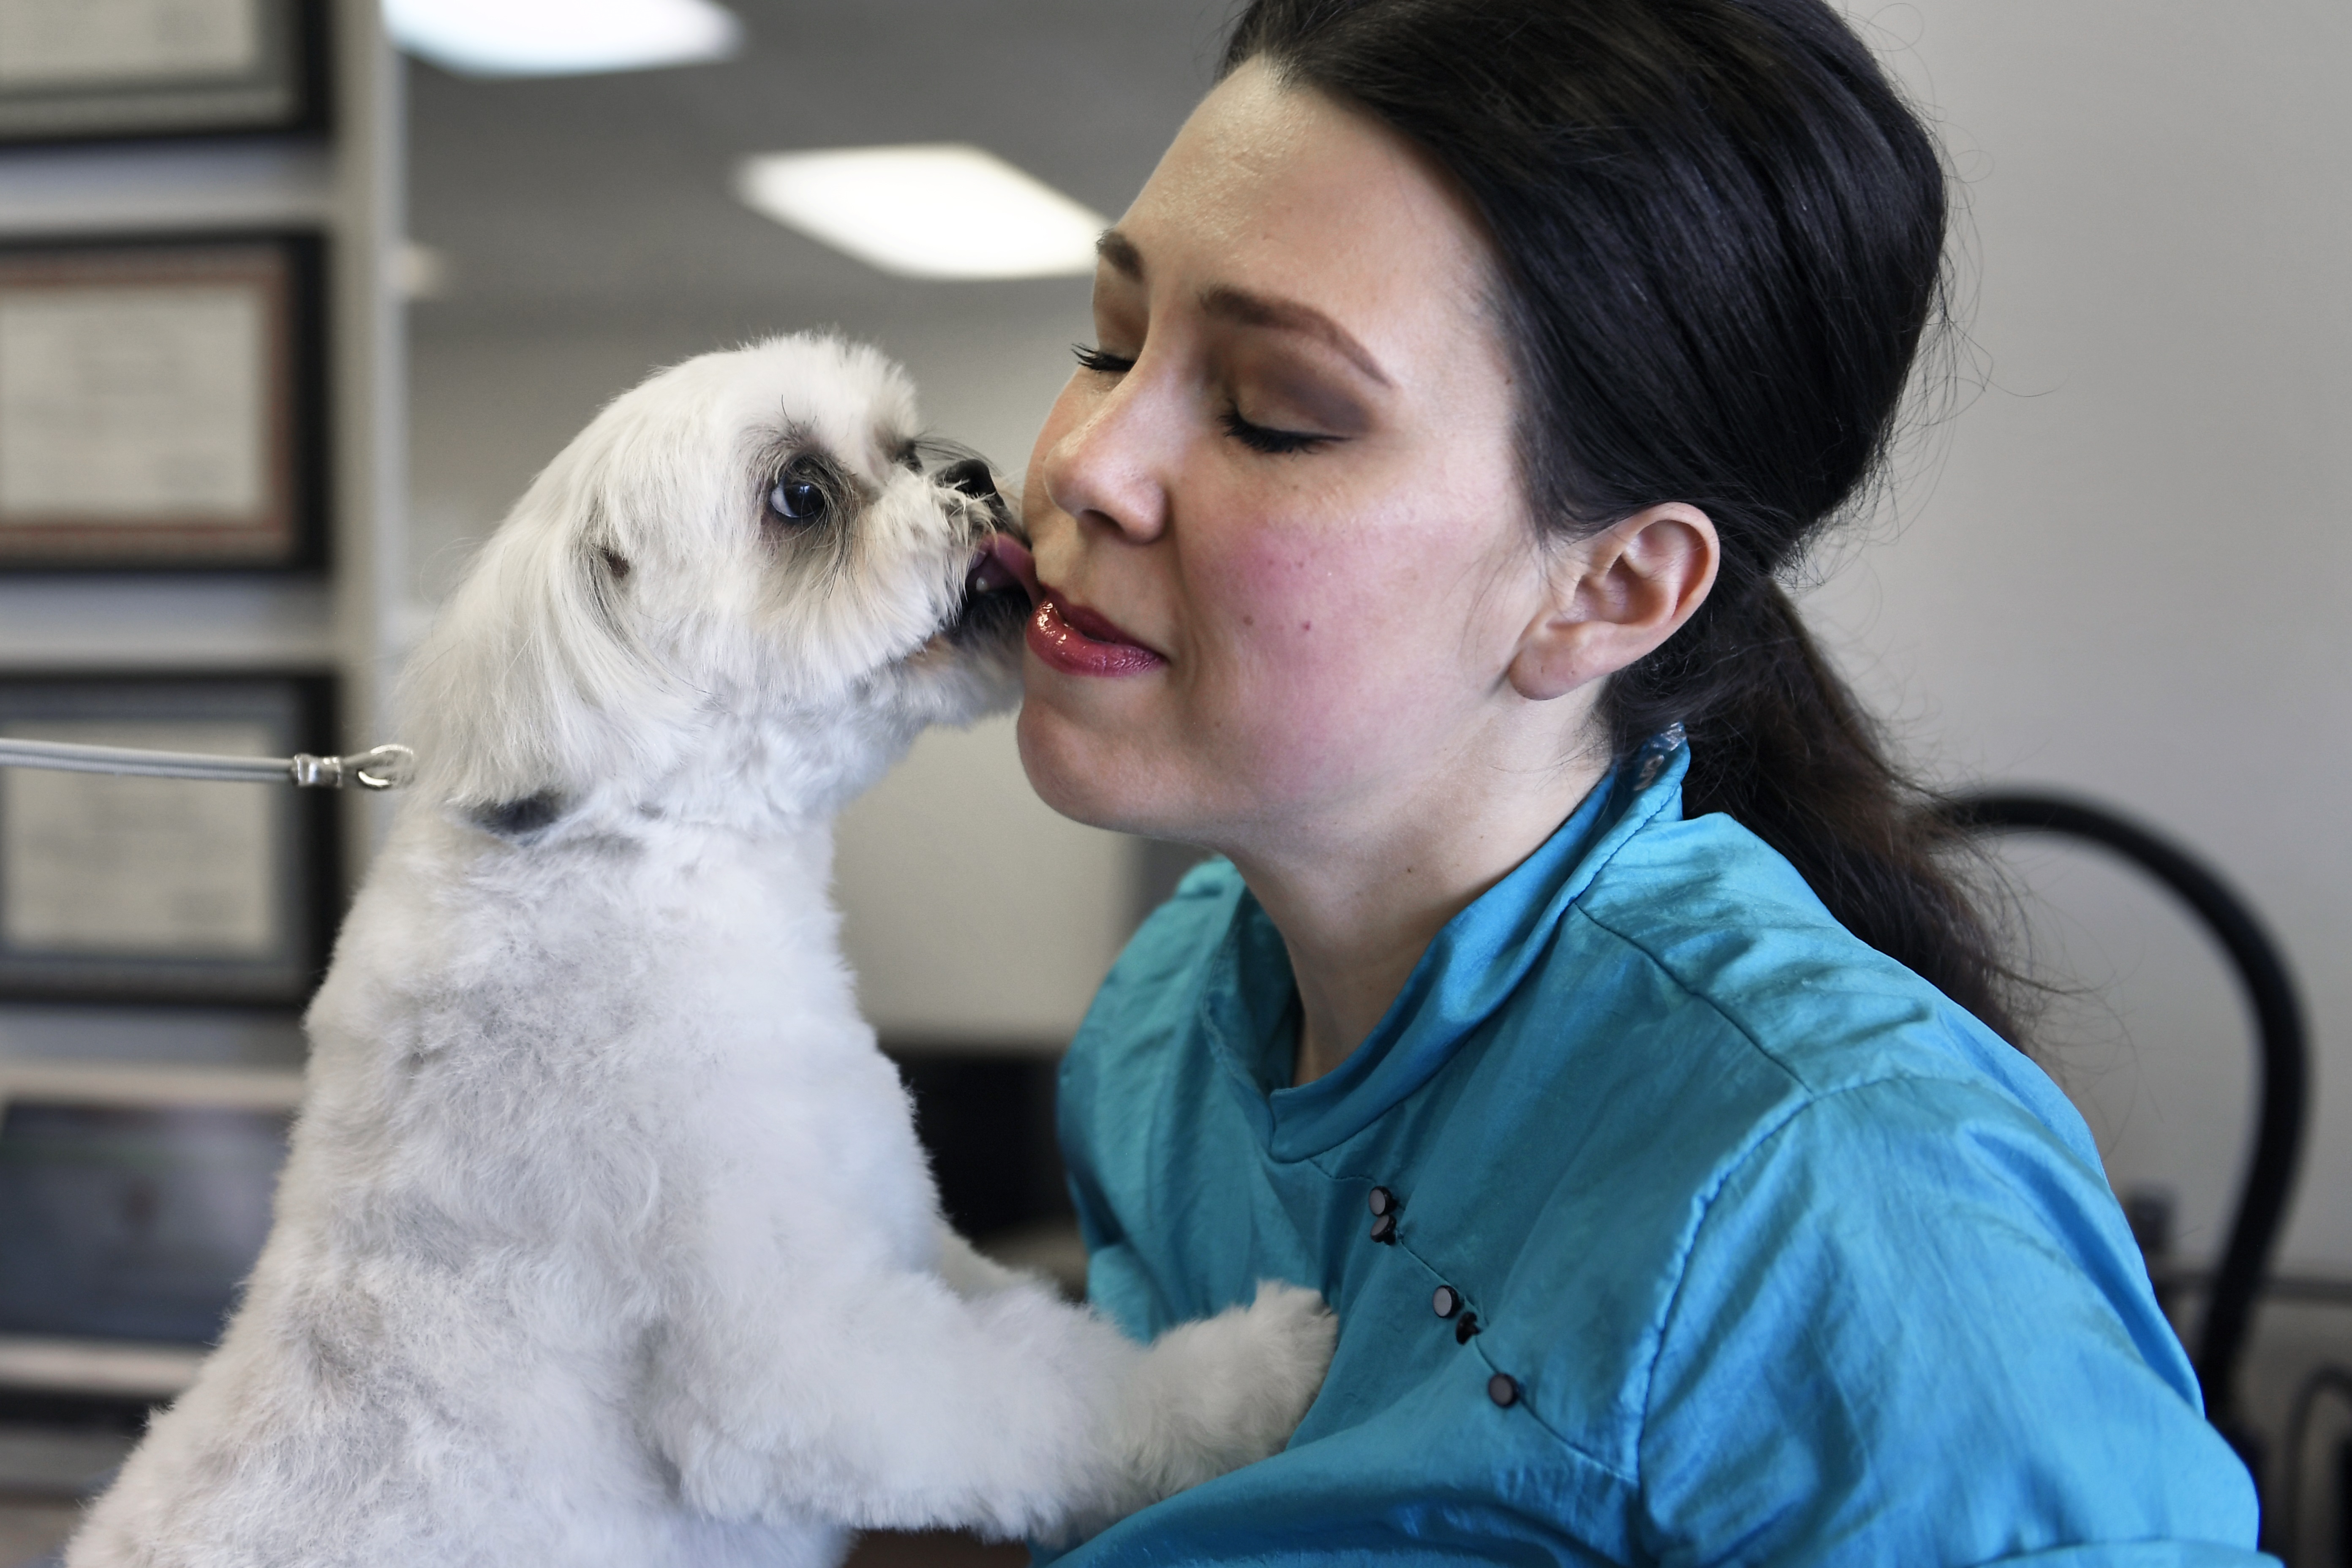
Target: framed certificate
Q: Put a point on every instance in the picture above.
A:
(73, 71)
(162, 404)
(166, 891)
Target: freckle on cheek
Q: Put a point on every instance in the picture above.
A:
(1307, 625)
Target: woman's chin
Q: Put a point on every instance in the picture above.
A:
(1102, 781)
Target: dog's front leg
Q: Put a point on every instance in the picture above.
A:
(882, 1399)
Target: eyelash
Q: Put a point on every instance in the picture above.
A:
(1256, 437)
(1102, 361)
(1263, 438)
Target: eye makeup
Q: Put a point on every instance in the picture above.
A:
(1243, 309)
(1279, 370)
(1276, 391)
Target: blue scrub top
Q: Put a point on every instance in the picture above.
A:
(1786, 1257)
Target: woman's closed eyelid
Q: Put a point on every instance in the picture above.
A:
(1297, 395)
(1269, 440)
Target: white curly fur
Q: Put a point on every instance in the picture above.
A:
(605, 1237)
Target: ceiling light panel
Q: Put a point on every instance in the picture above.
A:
(562, 38)
(946, 210)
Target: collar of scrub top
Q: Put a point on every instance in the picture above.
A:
(1472, 966)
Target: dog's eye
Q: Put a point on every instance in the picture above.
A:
(798, 501)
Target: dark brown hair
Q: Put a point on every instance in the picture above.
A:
(1720, 235)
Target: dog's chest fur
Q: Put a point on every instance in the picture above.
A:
(598, 1028)
(542, 1075)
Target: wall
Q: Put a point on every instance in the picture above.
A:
(2122, 573)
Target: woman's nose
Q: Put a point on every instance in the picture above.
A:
(1105, 471)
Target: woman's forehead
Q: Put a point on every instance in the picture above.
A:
(1278, 206)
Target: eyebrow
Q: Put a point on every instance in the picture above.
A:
(1239, 306)
(1287, 315)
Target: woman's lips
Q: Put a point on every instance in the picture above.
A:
(1070, 637)
(1077, 641)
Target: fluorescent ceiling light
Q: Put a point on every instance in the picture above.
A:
(943, 210)
(562, 38)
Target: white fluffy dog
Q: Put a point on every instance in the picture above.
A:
(605, 1237)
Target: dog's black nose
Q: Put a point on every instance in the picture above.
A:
(971, 476)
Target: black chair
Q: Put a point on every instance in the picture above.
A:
(2285, 1067)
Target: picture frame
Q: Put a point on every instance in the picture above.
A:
(167, 892)
(84, 70)
(162, 404)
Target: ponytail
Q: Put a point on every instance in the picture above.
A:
(1780, 745)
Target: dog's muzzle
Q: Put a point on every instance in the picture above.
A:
(971, 477)
(999, 586)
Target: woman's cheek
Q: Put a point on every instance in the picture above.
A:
(1310, 677)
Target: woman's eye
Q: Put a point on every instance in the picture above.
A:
(1102, 361)
(798, 501)
(1265, 438)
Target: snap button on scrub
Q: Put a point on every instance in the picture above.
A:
(1466, 1328)
(1381, 1201)
(1384, 1205)
(1446, 1301)
(1503, 1389)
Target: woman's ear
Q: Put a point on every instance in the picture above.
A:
(1614, 597)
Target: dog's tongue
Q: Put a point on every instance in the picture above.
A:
(1000, 565)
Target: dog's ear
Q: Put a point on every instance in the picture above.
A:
(532, 684)
(604, 568)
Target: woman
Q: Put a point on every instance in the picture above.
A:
(1580, 1007)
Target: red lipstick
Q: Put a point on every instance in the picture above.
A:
(1077, 641)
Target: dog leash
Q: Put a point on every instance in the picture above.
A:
(383, 767)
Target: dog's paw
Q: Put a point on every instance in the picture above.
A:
(1286, 1340)
(1230, 1390)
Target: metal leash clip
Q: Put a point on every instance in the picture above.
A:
(383, 767)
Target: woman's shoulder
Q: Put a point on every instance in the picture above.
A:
(1189, 922)
(1691, 937)
(1723, 924)
(1147, 993)
(1862, 1230)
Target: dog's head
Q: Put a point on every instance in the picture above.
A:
(740, 577)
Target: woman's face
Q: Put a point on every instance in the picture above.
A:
(1283, 497)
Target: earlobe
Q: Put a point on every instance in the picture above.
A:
(1615, 597)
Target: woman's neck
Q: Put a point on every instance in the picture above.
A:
(1358, 909)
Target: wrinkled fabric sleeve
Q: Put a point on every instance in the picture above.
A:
(1911, 1328)
(1119, 1284)
(1113, 1077)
